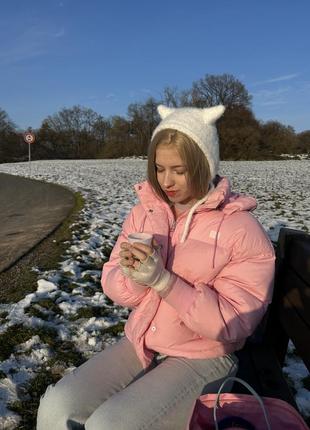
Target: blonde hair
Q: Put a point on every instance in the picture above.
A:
(198, 170)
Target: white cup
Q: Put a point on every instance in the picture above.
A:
(145, 238)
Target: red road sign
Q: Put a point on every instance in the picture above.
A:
(29, 137)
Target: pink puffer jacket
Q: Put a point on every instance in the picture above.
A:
(224, 268)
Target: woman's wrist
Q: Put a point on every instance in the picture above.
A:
(165, 291)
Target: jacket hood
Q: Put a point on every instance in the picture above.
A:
(220, 197)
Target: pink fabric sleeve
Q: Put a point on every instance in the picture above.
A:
(115, 285)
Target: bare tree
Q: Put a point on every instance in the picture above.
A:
(118, 143)
(220, 89)
(304, 141)
(77, 131)
(240, 135)
(279, 138)
(76, 118)
(11, 147)
(6, 125)
(143, 119)
(170, 96)
(174, 98)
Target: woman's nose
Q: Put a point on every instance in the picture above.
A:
(168, 180)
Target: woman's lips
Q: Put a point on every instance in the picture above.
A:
(171, 193)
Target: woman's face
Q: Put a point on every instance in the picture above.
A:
(172, 174)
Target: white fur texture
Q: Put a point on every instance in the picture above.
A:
(198, 124)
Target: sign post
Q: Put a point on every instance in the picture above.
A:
(29, 138)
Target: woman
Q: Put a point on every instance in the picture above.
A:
(197, 292)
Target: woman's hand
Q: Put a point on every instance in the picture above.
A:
(144, 265)
(132, 255)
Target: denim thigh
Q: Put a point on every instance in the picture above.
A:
(163, 398)
(67, 404)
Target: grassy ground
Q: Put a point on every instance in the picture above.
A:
(19, 281)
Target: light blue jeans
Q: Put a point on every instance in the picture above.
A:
(112, 391)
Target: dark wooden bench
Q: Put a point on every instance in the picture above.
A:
(288, 317)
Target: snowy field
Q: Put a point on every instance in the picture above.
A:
(282, 189)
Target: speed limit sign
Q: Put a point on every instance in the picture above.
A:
(29, 137)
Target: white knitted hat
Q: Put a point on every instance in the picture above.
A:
(198, 124)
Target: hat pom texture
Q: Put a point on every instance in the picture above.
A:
(199, 125)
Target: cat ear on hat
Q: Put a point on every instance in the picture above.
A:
(212, 114)
(164, 111)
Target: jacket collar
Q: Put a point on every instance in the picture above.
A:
(221, 198)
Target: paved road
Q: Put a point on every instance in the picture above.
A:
(29, 211)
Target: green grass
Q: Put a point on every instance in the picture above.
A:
(108, 301)
(106, 250)
(89, 312)
(49, 305)
(27, 409)
(114, 330)
(90, 291)
(66, 284)
(3, 316)
(17, 334)
(88, 278)
(277, 205)
(97, 264)
(45, 303)
(20, 280)
(37, 313)
(65, 356)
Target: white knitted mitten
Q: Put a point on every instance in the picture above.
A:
(151, 272)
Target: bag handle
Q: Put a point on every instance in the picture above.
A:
(252, 391)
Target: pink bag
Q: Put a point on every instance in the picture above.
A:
(243, 411)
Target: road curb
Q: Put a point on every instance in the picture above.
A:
(30, 211)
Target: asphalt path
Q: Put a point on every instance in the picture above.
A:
(29, 211)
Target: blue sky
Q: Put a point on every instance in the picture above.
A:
(106, 55)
